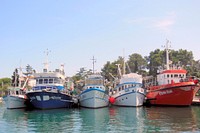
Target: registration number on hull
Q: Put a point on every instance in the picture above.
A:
(165, 92)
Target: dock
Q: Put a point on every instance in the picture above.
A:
(196, 100)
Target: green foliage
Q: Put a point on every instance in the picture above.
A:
(137, 63)
(154, 61)
(4, 83)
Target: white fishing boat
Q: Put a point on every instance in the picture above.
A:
(94, 93)
(16, 93)
(15, 98)
(128, 91)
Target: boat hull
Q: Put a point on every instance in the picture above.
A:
(93, 98)
(132, 98)
(14, 102)
(172, 95)
(49, 100)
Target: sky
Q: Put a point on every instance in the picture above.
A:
(76, 30)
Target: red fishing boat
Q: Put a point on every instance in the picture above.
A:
(172, 87)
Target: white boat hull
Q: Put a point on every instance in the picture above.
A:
(132, 98)
(93, 98)
(14, 102)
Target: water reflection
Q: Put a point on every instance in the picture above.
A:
(126, 119)
(94, 120)
(14, 120)
(113, 119)
(170, 119)
(57, 120)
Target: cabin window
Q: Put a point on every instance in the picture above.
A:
(133, 85)
(40, 81)
(180, 76)
(122, 87)
(45, 81)
(171, 75)
(119, 88)
(176, 75)
(168, 75)
(50, 81)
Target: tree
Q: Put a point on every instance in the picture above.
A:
(137, 63)
(155, 60)
(4, 83)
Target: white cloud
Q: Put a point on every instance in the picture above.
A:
(161, 23)
(166, 23)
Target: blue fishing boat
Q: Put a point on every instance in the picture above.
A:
(49, 91)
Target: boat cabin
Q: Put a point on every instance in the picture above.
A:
(171, 76)
(94, 81)
(15, 91)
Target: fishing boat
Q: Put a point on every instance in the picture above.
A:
(15, 98)
(50, 91)
(172, 87)
(94, 93)
(129, 91)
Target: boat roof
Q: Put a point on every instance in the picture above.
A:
(48, 74)
(174, 71)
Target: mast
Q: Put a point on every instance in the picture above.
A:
(93, 61)
(167, 53)
(46, 63)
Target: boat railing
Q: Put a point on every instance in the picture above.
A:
(149, 81)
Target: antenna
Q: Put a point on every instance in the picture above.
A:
(93, 61)
(46, 63)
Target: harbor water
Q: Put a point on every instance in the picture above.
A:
(111, 120)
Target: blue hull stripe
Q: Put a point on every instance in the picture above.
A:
(92, 89)
(130, 93)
